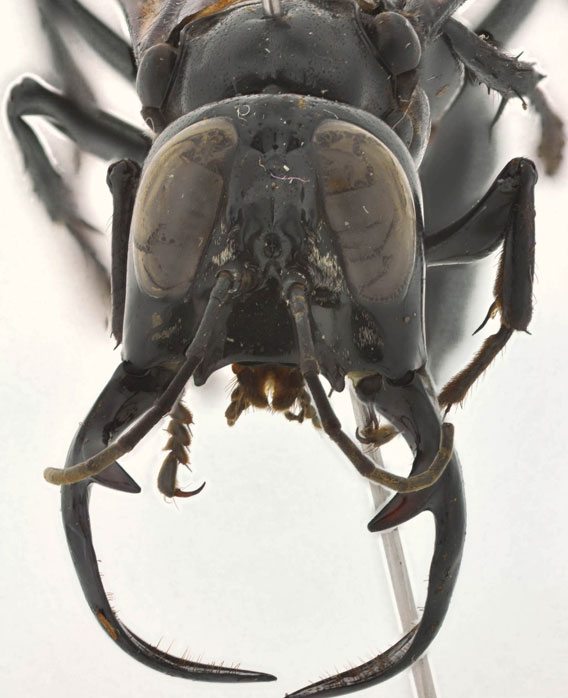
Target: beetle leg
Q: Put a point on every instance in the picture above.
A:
(510, 78)
(553, 137)
(91, 129)
(109, 46)
(482, 229)
(446, 502)
(510, 202)
(122, 178)
(125, 398)
(503, 20)
(505, 74)
(435, 439)
(451, 186)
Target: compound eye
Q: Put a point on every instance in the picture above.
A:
(178, 204)
(369, 207)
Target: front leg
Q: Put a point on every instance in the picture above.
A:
(123, 178)
(506, 214)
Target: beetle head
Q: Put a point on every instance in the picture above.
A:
(271, 236)
(269, 191)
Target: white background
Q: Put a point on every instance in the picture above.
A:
(272, 565)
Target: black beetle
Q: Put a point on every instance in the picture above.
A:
(271, 249)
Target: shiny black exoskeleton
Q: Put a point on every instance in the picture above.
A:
(288, 217)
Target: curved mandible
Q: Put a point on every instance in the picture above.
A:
(448, 507)
(126, 397)
(407, 407)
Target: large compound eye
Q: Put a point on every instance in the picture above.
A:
(177, 205)
(369, 206)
